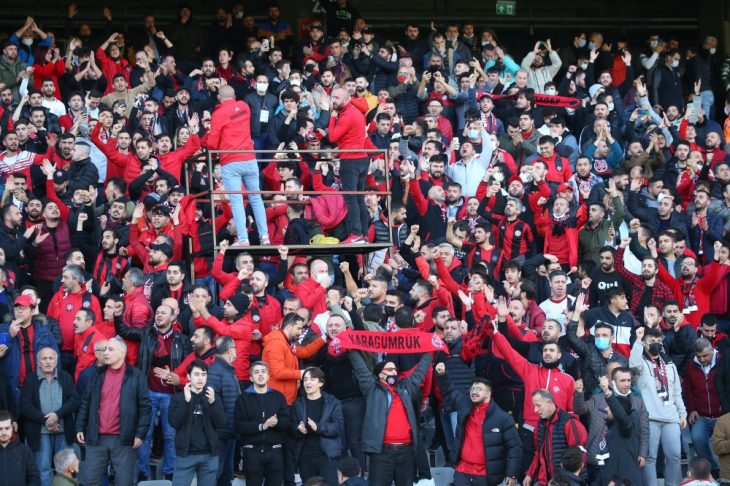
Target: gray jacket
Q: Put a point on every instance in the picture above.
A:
(378, 399)
(595, 407)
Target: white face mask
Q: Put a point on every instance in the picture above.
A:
(675, 64)
(295, 82)
(550, 92)
(262, 87)
(653, 44)
(320, 277)
(610, 106)
(713, 50)
(28, 41)
(615, 389)
(525, 177)
(498, 176)
(239, 15)
(584, 66)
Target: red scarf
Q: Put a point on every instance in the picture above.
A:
(403, 341)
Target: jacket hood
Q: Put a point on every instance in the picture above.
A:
(251, 391)
(712, 363)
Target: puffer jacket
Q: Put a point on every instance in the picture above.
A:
(18, 466)
(502, 443)
(135, 409)
(222, 379)
(329, 428)
(378, 399)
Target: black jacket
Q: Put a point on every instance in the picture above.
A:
(594, 364)
(501, 441)
(147, 339)
(252, 410)
(341, 381)
(181, 419)
(12, 241)
(33, 417)
(329, 429)
(378, 399)
(135, 408)
(256, 103)
(222, 379)
(18, 466)
(82, 174)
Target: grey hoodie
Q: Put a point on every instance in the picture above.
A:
(645, 382)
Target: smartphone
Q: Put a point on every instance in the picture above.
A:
(382, 101)
(644, 112)
(4, 338)
(265, 42)
(330, 59)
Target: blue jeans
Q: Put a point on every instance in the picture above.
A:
(448, 422)
(708, 102)
(50, 445)
(161, 403)
(225, 461)
(248, 172)
(702, 440)
(202, 466)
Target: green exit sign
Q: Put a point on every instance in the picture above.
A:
(506, 7)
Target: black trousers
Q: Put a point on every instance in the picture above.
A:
(289, 460)
(390, 465)
(461, 479)
(353, 173)
(318, 466)
(528, 450)
(264, 466)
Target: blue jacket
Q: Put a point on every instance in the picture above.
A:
(716, 228)
(42, 338)
(27, 54)
(222, 379)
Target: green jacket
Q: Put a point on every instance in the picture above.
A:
(591, 240)
(60, 480)
(9, 74)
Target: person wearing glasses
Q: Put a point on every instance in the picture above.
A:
(481, 456)
(391, 435)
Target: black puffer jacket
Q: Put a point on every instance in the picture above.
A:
(222, 379)
(329, 428)
(135, 408)
(147, 339)
(502, 443)
(594, 364)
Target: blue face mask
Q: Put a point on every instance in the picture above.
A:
(582, 43)
(473, 134)
(591, 46)
(602, 343)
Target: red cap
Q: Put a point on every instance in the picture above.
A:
(565, 187)
(25, 301)
(515, 179)
(687, 253)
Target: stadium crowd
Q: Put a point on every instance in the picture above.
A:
(554, 245)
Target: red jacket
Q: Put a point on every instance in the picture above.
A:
(241, 332)
(49, 70)
(312, 296)
(84, 350)
(63, 307)
(129, 163)
(347, 130)
(110, 68)
(535, 377)
(172, 162)
(230, 129)
(137, 312)
(699, 389)
(703, 289)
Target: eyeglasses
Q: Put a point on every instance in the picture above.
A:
(390, 368)
(22, 307)
(476, 389)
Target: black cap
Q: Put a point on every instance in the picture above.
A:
(9, 43)
(379, 367)
(367, 30)
(178, 188)
(316, 27)
(182, 88)
(163, 247)
(161, 209)
(151, 200)
(60, 176)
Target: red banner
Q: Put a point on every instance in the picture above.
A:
(539, 99)
(404, 341)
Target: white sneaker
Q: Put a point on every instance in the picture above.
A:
(425, 482)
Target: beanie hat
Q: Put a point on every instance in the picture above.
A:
(240, 301)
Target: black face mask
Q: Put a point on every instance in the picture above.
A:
(655, 349)
(391, 380)
(550, 366)
(389, 310)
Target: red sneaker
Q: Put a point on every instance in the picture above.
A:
(352, 240)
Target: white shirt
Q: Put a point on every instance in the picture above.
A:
(54, 106)
(554, 309)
